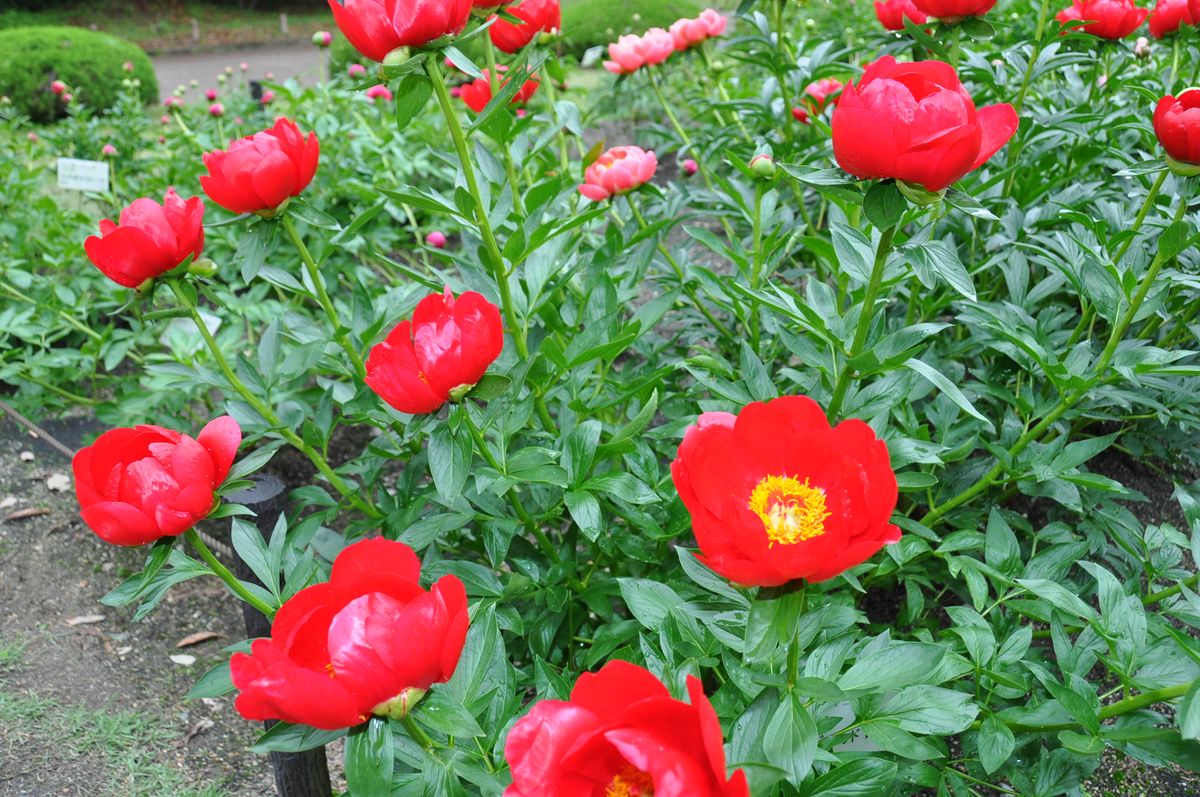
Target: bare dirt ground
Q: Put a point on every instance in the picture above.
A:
(97, 708)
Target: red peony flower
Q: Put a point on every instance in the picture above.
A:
(891, 13)
(621, 733)
(478, 93)
(377, 27)
(775, 494)
(538, 16)
(138, 485)
(916, 123)
(1169, 15)
(368, 641)
(1107, 19)
(1194, 9)
(150, 240)
(1177, 125)
(261, 172)
(448, 345)
(618, 171)
(954, 9)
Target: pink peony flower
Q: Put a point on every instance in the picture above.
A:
(618, 171)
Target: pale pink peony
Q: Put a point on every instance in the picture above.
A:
(625, 55)
(618, 171)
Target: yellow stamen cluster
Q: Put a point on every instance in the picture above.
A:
(791, 511)
(631, 783)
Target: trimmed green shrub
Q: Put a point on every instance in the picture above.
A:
(591, 23)
(90, 63)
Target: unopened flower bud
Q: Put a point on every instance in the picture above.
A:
(763, 166)
(436, 239)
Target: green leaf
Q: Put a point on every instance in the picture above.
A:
(283, 737)
(790, 739)
(214, 683)
(895, 666)
(863, 777)
(585, 511)
(996, 744)
(450, 455)
(884, 205)
(937, 258)
(649, 601)
(1174, 239)
(412, 93)
(930, 710)
(443, 712)
(370, 759)
(252, 549)
(939, 380)
(1059, 597)
(1188, 716)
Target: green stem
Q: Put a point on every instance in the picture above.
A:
(1125, 706)
(865, 317)
(499, 272)
(688, 288)
(564, 152)
(723, 92)
(314, 456)
(1162, 595)
(418, 735)
(756, 264)
(1141, 216)
(481, 217)
(314, 274)
(1034, 55)
(222, 572)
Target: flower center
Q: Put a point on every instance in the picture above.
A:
(791, 511)
(631, 783)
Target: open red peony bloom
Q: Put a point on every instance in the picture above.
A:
(449, 344)
(150, 240)
(260, 172)
(954, 9)
(368, 641)
(538, 16)
(1177, 125)
(621, 735)
(618, 171)
(916, 123)
(377, 27)
(478, 93)
(138, 485)
(891, 13)
(1194, 9)
(775, 494)
(1108, 19)
(1169, 15)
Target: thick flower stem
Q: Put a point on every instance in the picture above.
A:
(687, 287)
(865, 317)
(1171, 591)
(494, 86)
(417, 734)
(222, 572)
(1019, 103)
(757, 264)
(267, 413)
(485, 225)
(1089, 314)
(1110, 711)
(1116, 335)
(499, 273)
(314, 274)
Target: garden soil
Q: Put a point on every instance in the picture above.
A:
(53, 572)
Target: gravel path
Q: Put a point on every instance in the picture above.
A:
(284, 61)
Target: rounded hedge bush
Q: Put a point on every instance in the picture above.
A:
(90, 63)
(592, 23)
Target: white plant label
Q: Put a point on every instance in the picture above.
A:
(81, 175)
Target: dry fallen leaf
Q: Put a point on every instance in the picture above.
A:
(86, 619)
(183, 659)
(25, 456)
(58, 482)
(198, 727)
(124, 651)
(197, 638)
(8, 503)
(24, 513)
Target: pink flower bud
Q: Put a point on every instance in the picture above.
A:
(216, 110)
(245, 67)
(436, 239)
(33, 137)
(690, 167)
(210, 94)
(268, 97)
(58, 87)
(380, 92)
(108, 151)
(356, 70)
(127, 66)
(322, 38)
